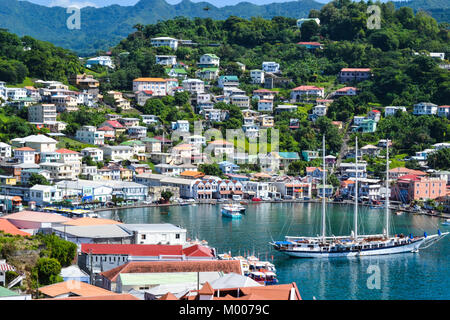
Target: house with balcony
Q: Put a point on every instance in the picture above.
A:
(157, 85)
(95, 153)
(264, 94)
(90, 135)
(59, 171)
(425, 108)
(42, 113)
(117, 153)
(228, 81)
(5, 150)
(265, 105)
(392, 110)
(164, 42)
(257, 76)
(240, 100)
(354, 74)
(137, 132)
(443, 112)
(306, 93)
(25, 155)
(194, 86)
(271, 66)
(209, 60)
(166, 60)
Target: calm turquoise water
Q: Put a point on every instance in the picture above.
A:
(424, 275)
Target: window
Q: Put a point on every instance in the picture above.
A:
(177, 236)
(143, 236)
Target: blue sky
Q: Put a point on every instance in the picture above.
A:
(102, 3)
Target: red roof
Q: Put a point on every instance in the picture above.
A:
(444, 107)
(346, 89)
(66, 151)
(145, 250)
(305, 88)
(376, 111)
(310, 43)
(411, 177)
(355, 69)
(148, 92)
(105, 128)
(198, 251)
(114, 124)
(132, 249)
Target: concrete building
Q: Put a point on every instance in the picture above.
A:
(42, 113)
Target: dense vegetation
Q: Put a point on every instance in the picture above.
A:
(28, 57)
(102, 28)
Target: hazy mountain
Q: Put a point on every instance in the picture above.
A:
(103, 27)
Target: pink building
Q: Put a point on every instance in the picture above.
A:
(412, 187)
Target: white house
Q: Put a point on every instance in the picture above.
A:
(164, 41)
(150, 119)
(161, 233)
(95, 153)
(42, 113)
(25, 155)
(39, 142)
(158, 86)
(257, 76)
(270, 66)
(265, 105)
(90, 135)
(5, 150)
(118, 153)
(425, 108)
(444, 111)
(101, 60)
(137, 132)
(210, 60)
(392, 110)
(320, 110)
(166, 60)
(194, 86)
(181, 125)
(306, 92)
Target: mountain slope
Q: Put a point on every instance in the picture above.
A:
(104, 27)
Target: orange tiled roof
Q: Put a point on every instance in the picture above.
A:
(75, 287)
(8, 227)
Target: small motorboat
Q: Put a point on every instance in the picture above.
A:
(446, 222)
(233, 211)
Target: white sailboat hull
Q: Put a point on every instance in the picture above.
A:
(316, 253)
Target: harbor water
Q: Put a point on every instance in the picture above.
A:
(422, 275)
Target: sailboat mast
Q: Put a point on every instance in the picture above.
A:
(355, 217)
(387, 188)
(323, 189)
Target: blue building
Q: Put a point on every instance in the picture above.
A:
(228, 167)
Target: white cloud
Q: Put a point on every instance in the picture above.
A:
(71, 3)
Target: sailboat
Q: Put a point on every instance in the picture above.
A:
(355, 244)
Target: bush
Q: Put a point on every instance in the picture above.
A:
(48, 270)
